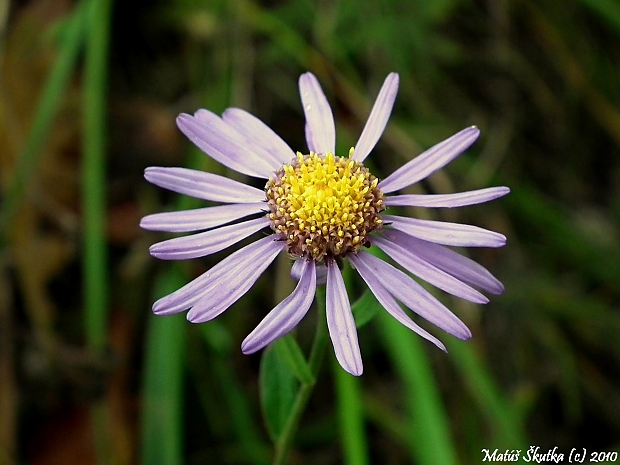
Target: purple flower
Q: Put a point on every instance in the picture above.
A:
(322, 208)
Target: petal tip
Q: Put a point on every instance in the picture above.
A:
(160, 307)
(474, 132)
(183, 118)
(308, 75)
(463, 334)
(354, 370)
(393, 79)
(195, 317)
(248, 348)
(497, 289)
(153, 250)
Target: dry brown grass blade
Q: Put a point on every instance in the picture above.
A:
(38, 237)
(574, 73)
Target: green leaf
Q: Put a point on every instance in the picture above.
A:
(278, 390)
(365, 308)
(290, 352)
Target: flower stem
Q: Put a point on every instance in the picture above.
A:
(285, 441)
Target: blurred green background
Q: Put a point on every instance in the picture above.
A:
(89, 92)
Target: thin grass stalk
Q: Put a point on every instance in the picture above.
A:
(95, 264)
(93, 173)
(162, 389)
(350, 407)
(431, 441)
(351, 416)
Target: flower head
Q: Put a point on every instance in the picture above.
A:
(322, 208)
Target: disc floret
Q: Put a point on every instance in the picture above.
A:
(324, 206)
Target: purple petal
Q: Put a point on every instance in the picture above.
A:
(223, 278)
(440, 232)
(203, 185)
(321, 272)
(287, 314)
(430, 161)
(200, 218)
(222, 143)
(411, 294)
(392, 307)
(226, 287)
(241, 138)
(447, 200)
(206, 243)
(340, 322)
(459, 266)
(379, 115)
(320, 129)
(259, 135)
(428, 272)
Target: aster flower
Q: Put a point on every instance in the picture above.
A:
(321, 208)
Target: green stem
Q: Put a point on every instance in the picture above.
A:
(285, 441)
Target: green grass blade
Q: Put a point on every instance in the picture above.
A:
(237, 401)
(351, 415)
(608, 11)
(162, 426)
(505, 423)
(96, 298)
(93, 172)
(430, 438)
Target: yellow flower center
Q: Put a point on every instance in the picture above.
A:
(324, 206)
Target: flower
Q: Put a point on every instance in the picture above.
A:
(322, 208)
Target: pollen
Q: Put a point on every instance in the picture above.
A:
(324, 206)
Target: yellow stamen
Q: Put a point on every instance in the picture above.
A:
(325, 205)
